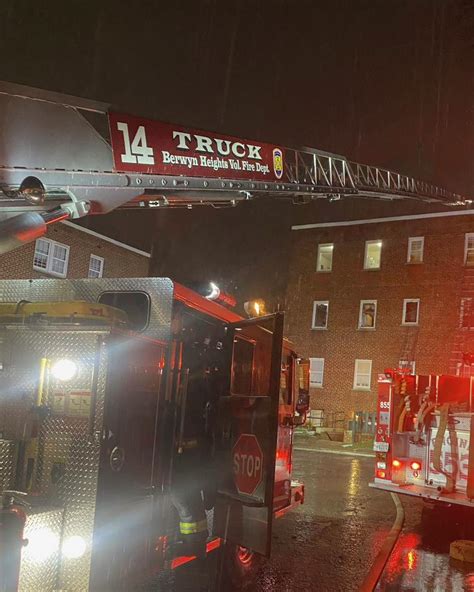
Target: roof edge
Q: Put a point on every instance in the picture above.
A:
(385, 219)
(106, 238)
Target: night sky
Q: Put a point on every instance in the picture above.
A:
(390, 82)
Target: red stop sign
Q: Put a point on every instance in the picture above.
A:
(247, 458)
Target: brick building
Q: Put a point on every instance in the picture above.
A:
(71, 251)
(364, 295)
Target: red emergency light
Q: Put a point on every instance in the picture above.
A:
(415, 465)
(381, 474)
(396, 463)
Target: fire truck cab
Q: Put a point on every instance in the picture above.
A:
(99, 379)
(423, 441)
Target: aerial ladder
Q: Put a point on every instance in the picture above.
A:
(63, 157)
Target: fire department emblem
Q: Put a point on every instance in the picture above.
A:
(278, 163)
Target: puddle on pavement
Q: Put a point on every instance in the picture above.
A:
(420, 560)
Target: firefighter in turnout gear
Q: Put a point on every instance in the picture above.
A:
(194, 475)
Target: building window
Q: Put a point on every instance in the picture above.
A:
(325, 253)
(407, 365)
(51, 257)
(367, 314)
(415, 249)
(316, 372)
(469, 249)
(411, 311)
(362, 374)
(320, 314)
(373, 254)
(96, 267)
(467, 313)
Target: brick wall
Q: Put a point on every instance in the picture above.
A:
(119, 262)
(438, 282)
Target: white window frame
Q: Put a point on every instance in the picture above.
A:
(411, 241)
(372, 242)
(50, 258)
(315, 304)
(101, 271)
(320, 370)
(466, 303)
(357, 387)
(361, 307)
(467, 236)
(408, 363)
(319, 254)
(405, 302)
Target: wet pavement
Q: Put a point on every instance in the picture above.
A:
(420, 559)
(329, 543)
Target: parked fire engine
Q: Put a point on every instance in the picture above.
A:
(423, 441)
(99, 379)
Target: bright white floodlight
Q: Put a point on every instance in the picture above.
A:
(74, 547)
(64, 370)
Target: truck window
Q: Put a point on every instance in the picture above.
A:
(286, 379)
(135, 304)
(242, 367)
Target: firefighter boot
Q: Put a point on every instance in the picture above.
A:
(195, 544)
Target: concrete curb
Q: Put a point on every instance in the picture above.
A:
(342, 452)
(372, 578)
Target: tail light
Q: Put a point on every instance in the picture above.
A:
(396, 463)
(381, 474)
(415, 465)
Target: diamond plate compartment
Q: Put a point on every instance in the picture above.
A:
(66, 448)
(160, 291)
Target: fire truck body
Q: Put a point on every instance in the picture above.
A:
(423, 444)
(98, 379)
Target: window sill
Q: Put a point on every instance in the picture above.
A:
(316, 386)
(319, 328)
(50, 273)
(361, 388)
(410, 324)
(324, 271)
(371, 269)
(366, 328)
(414, 263)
